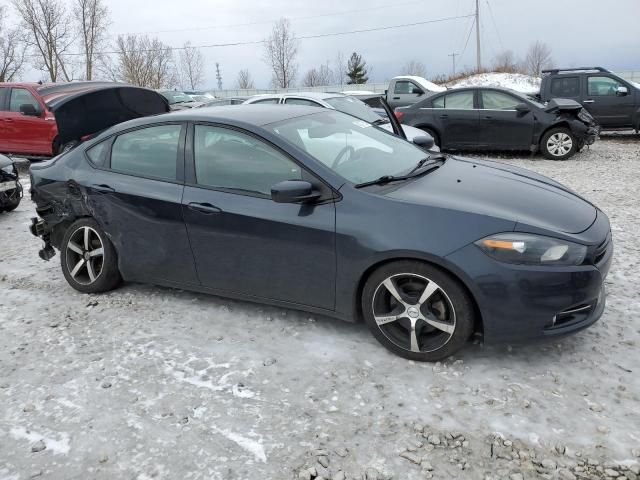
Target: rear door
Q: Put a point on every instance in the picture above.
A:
(609, 107)
(136, 192)
(27, 133)
(501, 126)
(244, 242)
(405, 92)
(5, 138)
(456, 118)
(565, 86)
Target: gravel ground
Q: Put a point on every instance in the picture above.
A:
(147, 382)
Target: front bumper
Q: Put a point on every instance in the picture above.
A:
(519, 302)
(10, 192)
(591, 135)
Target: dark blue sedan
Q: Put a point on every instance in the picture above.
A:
(316, 210)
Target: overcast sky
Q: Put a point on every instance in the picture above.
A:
(579, 32)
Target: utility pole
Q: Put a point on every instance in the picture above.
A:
(453, 57)
(218, 76)
(478, 61)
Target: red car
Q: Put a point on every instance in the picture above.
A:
(27, 122)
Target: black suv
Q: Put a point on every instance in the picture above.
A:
(613, 101)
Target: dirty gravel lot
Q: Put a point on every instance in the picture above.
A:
(147, 382)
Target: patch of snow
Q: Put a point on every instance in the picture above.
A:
(252, 446)
(514, 81)
(60, 447)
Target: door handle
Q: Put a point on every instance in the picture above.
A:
(587, 101)
(206, 208)
(396, 98)
(444, 116)
(102, 188)
(488, 117)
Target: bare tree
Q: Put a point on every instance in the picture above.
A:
(143, 61)
(48, 31)
(12, 51)
(538, 58)
(317, 77)
(191, 66)
(281, 49)
(505, 62)
(413, 67)
(218, 76)
(244, 80)
(92, 17)
(341, 69)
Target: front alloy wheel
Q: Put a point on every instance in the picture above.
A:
(559, 144)
(417, 311)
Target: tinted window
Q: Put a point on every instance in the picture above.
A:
(353, 106)
(565, 87)
(98, 154)
(458, 100)
(301, 101)
(602, 86)
(232, 160)
(149, 152)
(492, 100)
(268, 100)
(20, 96)
(3, 94)
(405, 87)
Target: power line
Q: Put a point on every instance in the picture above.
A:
(304, 37)
(469, 35)
(493, 19)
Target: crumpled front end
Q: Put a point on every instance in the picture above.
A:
(10, 187)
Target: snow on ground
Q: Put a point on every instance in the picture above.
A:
(514, 81)
(147, 382)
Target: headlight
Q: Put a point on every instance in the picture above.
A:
(528, 249)
(8, 169)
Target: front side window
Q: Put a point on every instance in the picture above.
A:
(492, 100)
(148, 152)
(456, 101)
(404, 87)
(21, 96)
(602, 86)
(301, 101)
(354, 149)
(98, 154)
(232, 160)
(565, 87)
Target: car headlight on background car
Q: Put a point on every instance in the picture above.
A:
(8, 169)
(529, 249)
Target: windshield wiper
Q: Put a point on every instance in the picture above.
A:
(380, 121)
(422, 162)
(392, 178)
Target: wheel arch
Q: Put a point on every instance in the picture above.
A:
(436, 262)
(426, 126)
(558, 124)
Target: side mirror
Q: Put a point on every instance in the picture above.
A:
(522, 108)
(425, 141)
(622, 91)
(293, 191)
(29, 110)
(417, 91)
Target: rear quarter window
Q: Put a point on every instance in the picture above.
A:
(97, 154)
(565, 87)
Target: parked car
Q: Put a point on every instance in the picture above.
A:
(244, 202)
(408, 89)
(10, 187)
(200, 96)
(179, 100)
(28, 126)
(219, 102)
(613, 101)
(491, 118)
(340, 102)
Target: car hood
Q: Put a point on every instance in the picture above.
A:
(497, 190)
(88, 112)
(5, 161)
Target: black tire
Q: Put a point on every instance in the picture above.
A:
(99, 273)
(10, 207)
(436, 138)
(449, 306)
(554, 144)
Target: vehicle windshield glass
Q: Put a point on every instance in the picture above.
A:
(530, 98)
(353, 106)
(354, 149)
(177, 97)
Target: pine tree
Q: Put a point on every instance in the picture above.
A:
(357, 70)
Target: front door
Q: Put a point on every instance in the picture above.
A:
(609, 107)
(29, 133)
(245, 243)
(135, 194)
(501, 126)
(405, 92)
(457, 119)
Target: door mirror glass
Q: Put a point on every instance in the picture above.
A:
(424, 141)
(622, 91)
(293, 191)
(28, 109)
(522, 108)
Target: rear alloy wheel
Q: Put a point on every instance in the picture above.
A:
(88, 259)
(417, 311)
(558, 144)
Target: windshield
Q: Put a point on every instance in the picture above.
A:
(530, 98)
(354, 149)
(177, 97)
(353, 106)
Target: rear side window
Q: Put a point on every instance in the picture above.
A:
(268, 100)
(498, 101)
(602, 86)
(21, 96)
(458, 101)
(148, 152)
(3, 95)
(98, 154)
(301, 101)
(565, 87)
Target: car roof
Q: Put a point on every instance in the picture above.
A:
(312, 95)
